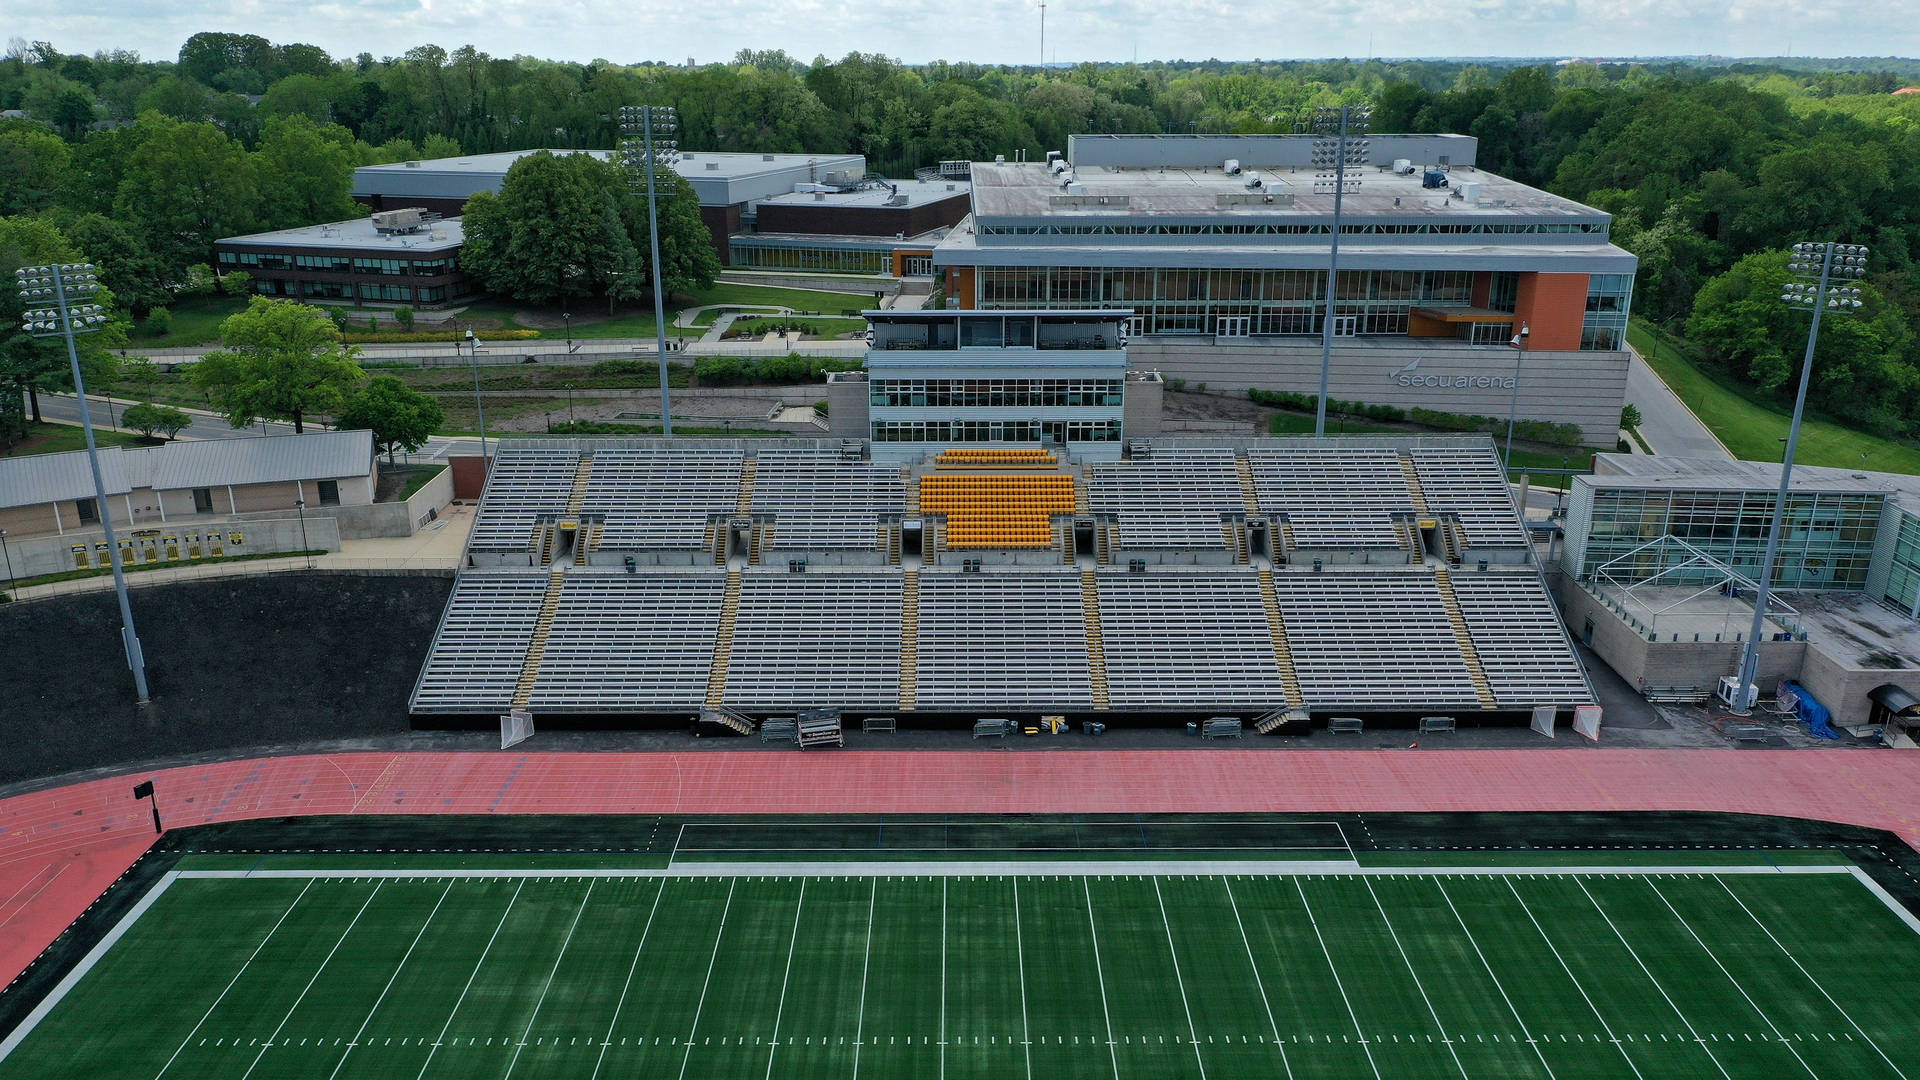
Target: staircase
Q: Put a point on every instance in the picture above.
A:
(1103, 545)
(578, 498)
(1247, 493)
(547, 534)
(1081, 507)
(538, 542)
(758, 535)
(909, 637)
(716, 542)
(723, 643)
(720, 716)
(1413, 483)
(1287, 541)
(1465, 639)
(542, 626)
(1409, 532)
(1450, 544)
(1282, 653)
(1066, 543)
(1096, 646)
(743, 505)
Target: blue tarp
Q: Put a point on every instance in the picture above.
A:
(1810, 710)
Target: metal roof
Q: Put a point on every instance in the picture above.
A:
(1721, 474)
(46, 478)
(915, 192)
(358, 236)
(319, 455)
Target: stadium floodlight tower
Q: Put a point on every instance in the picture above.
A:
(641, 153)
(1826, 272)
(59, 285)
(1341, 146)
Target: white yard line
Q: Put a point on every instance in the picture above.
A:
(1020, 954)
(793, 940)
(1257, 980)
(551, 972)
(700, 1005)
(1816, 983)
(1651, 884)
(1644, 970)
(1181, 980)
(1246, 868)
(391, 979)
(1604, 1026)
(477, 965)
(860, 1025)
(1100, 973)
(1337, 982)
(1475, 942)
(628, 984)
(943, 979)
(1417, 984)
(230, 982)
(315, 977)
(1899, 910)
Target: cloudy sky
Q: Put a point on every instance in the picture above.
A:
(1008, 31)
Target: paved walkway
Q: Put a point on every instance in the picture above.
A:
(61, 847)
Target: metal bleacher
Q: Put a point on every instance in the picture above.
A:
(1369, 640)
(1523, 647)
(1333, 498)
(825, 638)
(1014, 641)
(661, 499)
(1198, 636)
(820, 499)
(522, 485)
(1172, 500)
(1469, 482)
(630, 643)
(476, 657)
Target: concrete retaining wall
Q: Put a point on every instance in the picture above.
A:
(54, 554)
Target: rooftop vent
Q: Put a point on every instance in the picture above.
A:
(819, 196)
(412, 165)
(713, 166)
(999, 159)
(1053, 156)
(766, 157)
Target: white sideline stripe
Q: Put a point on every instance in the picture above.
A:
(1249, 868)
(1899, 910)
(80, 970)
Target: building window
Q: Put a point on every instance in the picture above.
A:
(1609, 299)
(88, 509)
(203, 500)
(329, 492)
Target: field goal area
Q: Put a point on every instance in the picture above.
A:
(1131, 965)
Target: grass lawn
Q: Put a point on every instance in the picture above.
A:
(196, 321)
(1753, 429)
(841, 972)
(820, 301)
(60, 438)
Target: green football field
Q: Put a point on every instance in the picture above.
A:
(841, 969)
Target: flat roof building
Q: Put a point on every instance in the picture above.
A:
(406, 256)
(1214, 241)
(726, 184)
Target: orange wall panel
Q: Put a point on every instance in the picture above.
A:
(1552, 306)
(963, 295)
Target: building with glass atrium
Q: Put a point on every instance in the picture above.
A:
(1219, 245)
(1662, 555)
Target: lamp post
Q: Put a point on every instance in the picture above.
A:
(60, 284)
(647, 154)
(1336, 149)
(1823, 270)
(9, 554)
(570, 419)
(305, 547)
(1519, 344)
(479, 408)
(566, 317)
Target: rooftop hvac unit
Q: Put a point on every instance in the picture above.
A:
(1053, 156)
(999, 159)
(1253, 180)
(1232, 166)
(819, 196)
(1076, 189)
(1056, 166)
(1403, 166)
(713, 166)
(1468, 190)
(766, 157)
(897, 200)
(411, 165)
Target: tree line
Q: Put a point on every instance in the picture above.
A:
(1710, 171)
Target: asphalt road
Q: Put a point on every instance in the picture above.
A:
(1666, 423)
(204, 426)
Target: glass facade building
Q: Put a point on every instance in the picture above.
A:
(1903, 567)
(1826, 540)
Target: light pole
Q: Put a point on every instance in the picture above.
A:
(1826, 265)
(570, 419)
(1333, 152)
(60, 284)
(1519, 344)
(301, 505)
(11, 587)
(646, 154)
(566, 317)
(479, 408)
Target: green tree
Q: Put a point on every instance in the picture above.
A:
(283, 361)
(33, 166)
(400, 417)
(303, 172)
(29, 365)
(185, 186)
(148, 418)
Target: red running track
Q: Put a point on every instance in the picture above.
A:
(59, 849)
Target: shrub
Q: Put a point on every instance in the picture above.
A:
(159, 322)
(404, 317)
(148, 418)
